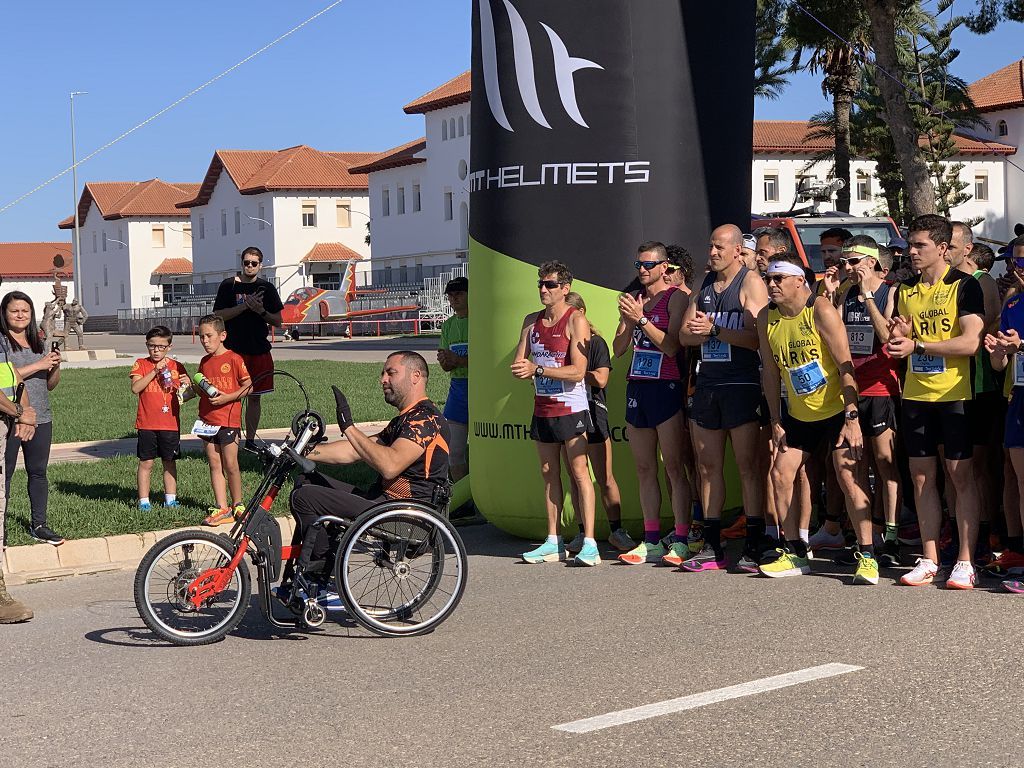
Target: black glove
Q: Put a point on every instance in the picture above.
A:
(342, 409)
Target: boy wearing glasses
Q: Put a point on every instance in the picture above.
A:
(249, 305)
(156, 380)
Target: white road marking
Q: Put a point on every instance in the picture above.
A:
(696, 700)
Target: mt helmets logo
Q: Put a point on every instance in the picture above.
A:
(565, 67)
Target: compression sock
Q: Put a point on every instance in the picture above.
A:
(682, 531)
(652, 531)
(713, 535)
(755, 533)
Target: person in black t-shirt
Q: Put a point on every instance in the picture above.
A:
(250, 305)
(410, 455)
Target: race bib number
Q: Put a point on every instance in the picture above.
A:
(646, 364)
(459, 349)
(1018, 370)
(927, 364)
(547, 387)
(202, 429)
(862, 339)
(715, 350)
(808, 378)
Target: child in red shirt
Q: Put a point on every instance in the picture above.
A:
(220, 418)
(156, 380)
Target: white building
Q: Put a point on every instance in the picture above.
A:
(294, 205)
(29, 268)
(128, 228)
(419, 196)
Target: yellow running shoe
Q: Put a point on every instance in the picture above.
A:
(786, 564)
(867, 569)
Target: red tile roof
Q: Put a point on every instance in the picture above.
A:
(19, 260)
(118, 199)
(1003, 89)
(331, 252)
(174, 266)
(789, 137)
(394, 158)
(455, 91)
(301, 167)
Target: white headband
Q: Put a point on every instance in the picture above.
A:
(785, 268)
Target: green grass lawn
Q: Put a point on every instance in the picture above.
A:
(100, 499)
(97, 403)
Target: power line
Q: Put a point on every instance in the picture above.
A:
(172, 105)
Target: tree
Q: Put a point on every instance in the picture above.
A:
(771, 50)
(991, 12)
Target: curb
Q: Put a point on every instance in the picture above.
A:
(78, 557)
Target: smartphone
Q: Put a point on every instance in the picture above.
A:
(55, 346)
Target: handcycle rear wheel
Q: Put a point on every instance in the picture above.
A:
(162, 580)
(401, 569)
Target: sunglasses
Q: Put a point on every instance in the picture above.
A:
(853, 261)
(251, 263)
(549, 284)
(648, 265)
(776, 279)
(1018, 262)
(670, 270)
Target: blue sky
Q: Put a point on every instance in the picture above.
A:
(339, 83)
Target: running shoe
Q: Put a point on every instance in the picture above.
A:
(1014, 585)
(822, 539)
(218, 516)
(738, 529)
(923, 573)
(588, 556)
(746, 563)
(644, 553)
(695, 540)
(172, 504)
(621, 540)
(576, 545)
(145, 506)
(705, 560)
(962, 577)
(238, 510)
(786, 564)
(677, 552)
(846, 556)
(889, 554)
(867, 569)
(1007, 564)
(45, 535)
(546, 553)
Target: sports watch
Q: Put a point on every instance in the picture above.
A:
(643, 321)
(539, 371)
(713, 333)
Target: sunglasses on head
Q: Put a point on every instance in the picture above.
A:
(549, 284)
(648, 265)
(251, 263)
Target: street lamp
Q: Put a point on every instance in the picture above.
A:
(76, 256)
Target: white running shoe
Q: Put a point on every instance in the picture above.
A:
(923, 573)
(962, 576)
(822, 539)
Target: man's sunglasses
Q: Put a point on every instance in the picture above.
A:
(549, 284)
(648, 265)
(251, 263)
(670, 270)
(853, 261)
(777, 279)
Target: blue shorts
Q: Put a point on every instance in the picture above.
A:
(456, 407)
(1014, 437)
(650, 403)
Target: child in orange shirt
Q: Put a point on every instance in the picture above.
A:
(156, 380)
(220, 418)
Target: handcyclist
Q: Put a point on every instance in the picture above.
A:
(410, 456)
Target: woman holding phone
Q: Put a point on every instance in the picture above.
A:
(40, 370)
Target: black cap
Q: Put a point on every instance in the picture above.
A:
(457, 284)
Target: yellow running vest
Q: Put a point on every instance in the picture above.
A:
(809, 374)
(934, 312)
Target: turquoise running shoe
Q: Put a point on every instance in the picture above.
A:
(589, 555)
(546, 553)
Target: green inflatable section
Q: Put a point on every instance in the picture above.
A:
(505, 472)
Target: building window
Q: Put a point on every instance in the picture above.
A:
(327, 281)
(385, 202)
(122, 293)
(401, 200)
(448, 215)
(238, 221)
(344, 213)
(202, 227)
(104, 275)
(771, 188)
(864, 193)
(444, 130)
(94, 242)
(262, 213)
(981, 186)
(223, 223)
(451, 128)
(416, 198)
(96, 294)
(120, 237)
(186, 236)
(462, 126)
(1003, 129)
(158, 236)
(469, 123)
(104, 242)
(309, 214)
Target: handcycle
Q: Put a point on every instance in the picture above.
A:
(399, 568)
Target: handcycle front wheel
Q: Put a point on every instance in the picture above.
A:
(163, 578)
(401, 569)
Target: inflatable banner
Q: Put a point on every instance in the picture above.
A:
(596, 125)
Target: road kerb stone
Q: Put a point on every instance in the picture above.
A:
(33, 557)
(83, 552)
(125, 548)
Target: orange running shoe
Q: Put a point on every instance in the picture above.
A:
(738, 529)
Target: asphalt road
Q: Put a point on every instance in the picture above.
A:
(529, 648)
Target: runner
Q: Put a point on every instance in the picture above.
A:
(938, 324)
(556, 340)
(726, 403)
(802, 336)
(649, 326)
(770, 241)
(834, 281)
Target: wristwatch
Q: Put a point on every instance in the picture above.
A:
(919, 347)
(643, 321)
(713, 333)
(18, 410)
(869, 295)
(852, 415)
(539, 371)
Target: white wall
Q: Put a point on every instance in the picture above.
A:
(39, 289)
(1014, 186)
(145, 257)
